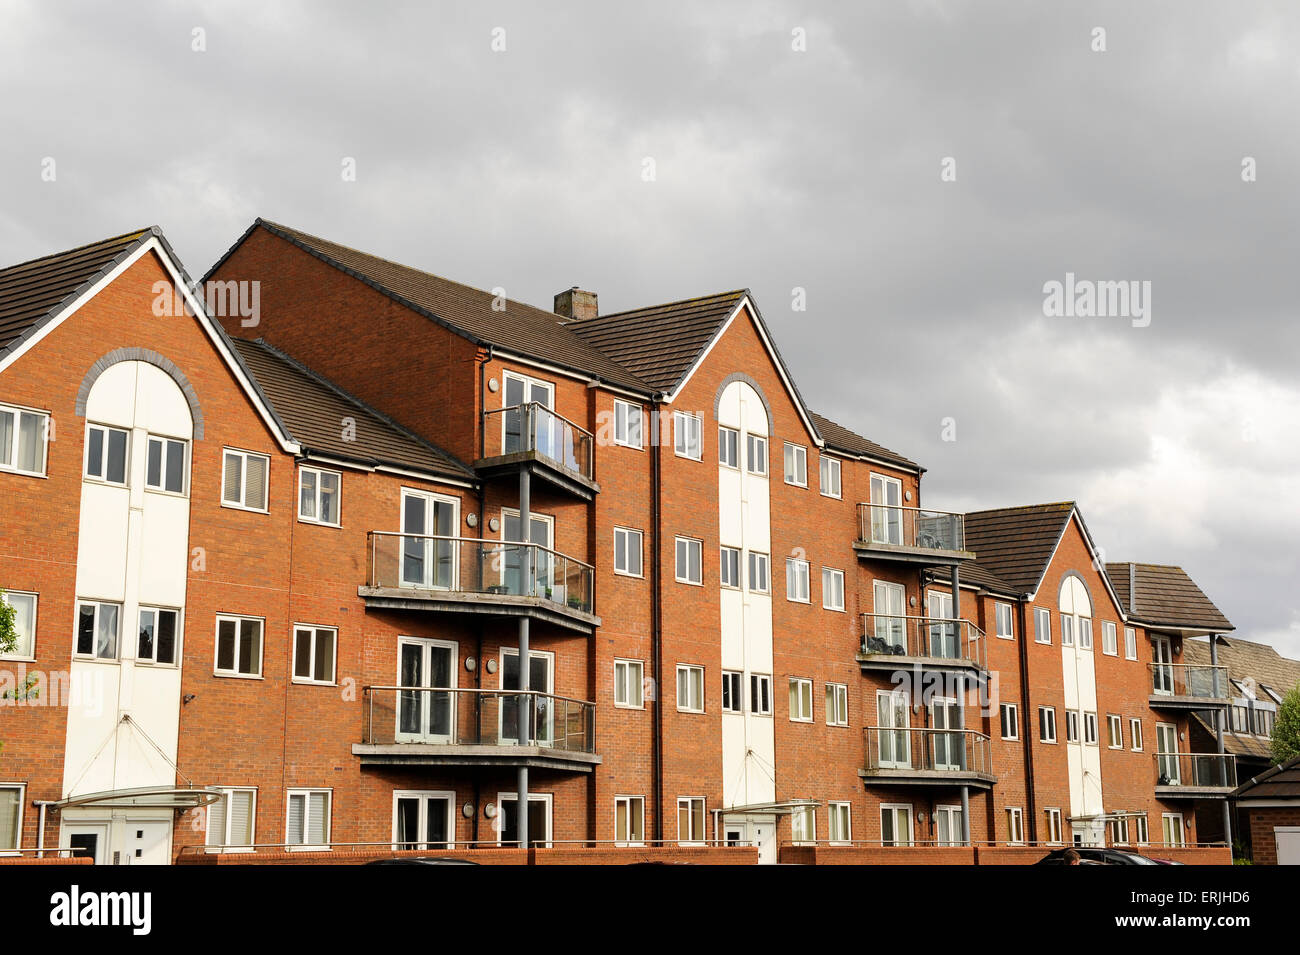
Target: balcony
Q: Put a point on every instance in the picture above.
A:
(466, 575)
(1182, 686)
(531, 436)
(911, 535)
(431, 726)
(1195, 775)
(914, 756)
(935, 643)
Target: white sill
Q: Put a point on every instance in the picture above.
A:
(834, 609)
(688, 457)
(624, 573)
(86, 658)
(103, 482)
(694, 712)
(163, 492)
(690, 583)
(629, 706)
(803, 485)
(761, 474)
(308, 520)
(31, 474)
(240, 507)
(796, 600)
(16, 659)
(308, 848)
(630, 447)
(238, 676)
(303, 681)
(796, 719)
(834, 497)
(153, 665)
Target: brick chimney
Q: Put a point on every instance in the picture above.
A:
(575, 303)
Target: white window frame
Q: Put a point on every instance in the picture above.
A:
(630, 668)
(239, 636)
(1130, 643)
(629, 535)
(837, 704)
(803, 832)
(835, 601)
(729, 449)
(844, 811)
(1015, 816)
(1085, 633)
(755, 561)
(225, 845)
(686, 425)
(692, 544)
(424, 796)
(729, 568)
(307, 793)
(117, 639)
(1109, 638)
(544, 799)
(303, 470)
(1067, 630)
(1051, 712)
(756, 463)
(1089, 728)
(629, 801)
(625, 413)
(176, 651)
(695, 683)
(1014, 710)
(796, 463)
(1135, 733)
(21, 789)
(1055, 832)
(1000, 611)
(1141, 833)
(1114, 731)
(1119, 834)
(240, 505)
(802, 688)
(316, 631)
(102, 477)
(166, 441)
(828, 465)
(895, 808)
(1165, 819)
(760, 694)
(1072, 726)
(798, 585)
(10, 465)
(30, 652)
(692, 838)
(733, 686)
(1043, 626)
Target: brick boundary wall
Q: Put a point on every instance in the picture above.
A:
(669, 855)
(979, 855)
(32, 860)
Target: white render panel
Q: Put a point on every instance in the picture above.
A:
(1079, 682)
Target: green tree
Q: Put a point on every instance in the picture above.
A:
(1286, 731)
(8, 632)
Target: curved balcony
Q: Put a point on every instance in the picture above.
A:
(892, 642)
(532, 436)
(925, 756)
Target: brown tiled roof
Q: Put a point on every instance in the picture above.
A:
(1279, 782)
(974, 574)
(32, 293)
(517, 327)
(1014, 544)
(661, 343)
(841, 438)
(1162, 595)
(313, 409)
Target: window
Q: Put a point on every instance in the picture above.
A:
(423, 819)
(1109, 641)
(1047, 724)
(1003, 614)
(758, 582)
(1140, 829)
(24, 621)
(629, 820)
(1085, 633)
(159, 636)
(165, 465)
(1042, 625)
(832, 589)
(1119, 831)
(1090, 728)
(1067, 631)
(837, 704)
(841, 816)
(314, 653)
(308, 823)
(729, 567)
(1130, 643)
(756, 454)
(1010, 721)
(796, 465)
(760, 694)
(1172, 823)
(801, 705)
(629, 676)
(1135, 734)
(686, 435)
(627, 424)
(1114, 731)
(239, 646)
(796, 580)
(243, 480)
(1015, 825)
(231, 819)
(731, 701)
(627, 552)
(729, 447)
(830, 476)
(690, 819)
(1071, 726)
(97, 629)
(803, 826)
(1054, 827)
(106, 454)
(1264, 721)
(1240, 719)
(690, 688)
(23, 436)
(689, 555)
(895, 824)
(318, 496)
(11, 817)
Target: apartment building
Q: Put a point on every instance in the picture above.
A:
(387, 556)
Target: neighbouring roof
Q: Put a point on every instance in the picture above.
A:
(1278, 782)
(1248, 660)
(841, 438)
(32, 293)
(1015, 544)
(313, 410)
(519, 328)
(1162, 595)
(972, 574)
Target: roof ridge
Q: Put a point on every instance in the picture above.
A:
(1023, 507)
(677, 303)
(131, 234)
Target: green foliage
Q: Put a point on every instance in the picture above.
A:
(8, 632)
(1286, 731)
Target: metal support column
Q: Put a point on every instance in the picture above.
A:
(965, 814)
(1220, 715)
(525, 707)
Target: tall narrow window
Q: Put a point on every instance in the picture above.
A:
(758, 578)
(1042, 625)
(731, 700)
(796, 580)
(729, 447)
(832, 588)
(1130, 643)
(760, 694)
(690, 819)
(686, 435)
(1109, 644)
(796, 465)
(165, 465)
(830, 476)
(689, 556)
(1003, 614)
(106, 454)
(756, 454)
(729, 567)
(837, 704)
(629, 820)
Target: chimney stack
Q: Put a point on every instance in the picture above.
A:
(576, 304)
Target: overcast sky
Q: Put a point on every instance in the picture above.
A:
(775, 168)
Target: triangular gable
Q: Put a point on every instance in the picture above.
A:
(1098, 561)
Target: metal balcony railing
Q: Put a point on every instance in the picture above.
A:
(534, 427)
(1196, 770)
(474, 717)
(1189, 679)
(926, 749)
(942, 638)
(475, 566)
(911, 527)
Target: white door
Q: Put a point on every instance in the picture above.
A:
(1162, 673)
(1288, 844)
(541, 719)
(891, 625)
(893, 738)
(1173, 828)
(428, 556)
(948, 827)
(422, 716)
(886, 516)
(943, 630)
(148, 842)
(1167, 748)
(541, 531)
(763, 835)
(896, 825)
(86, 839)
(947, 749)
(519, 421)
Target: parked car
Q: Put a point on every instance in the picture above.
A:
(1096, 855)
